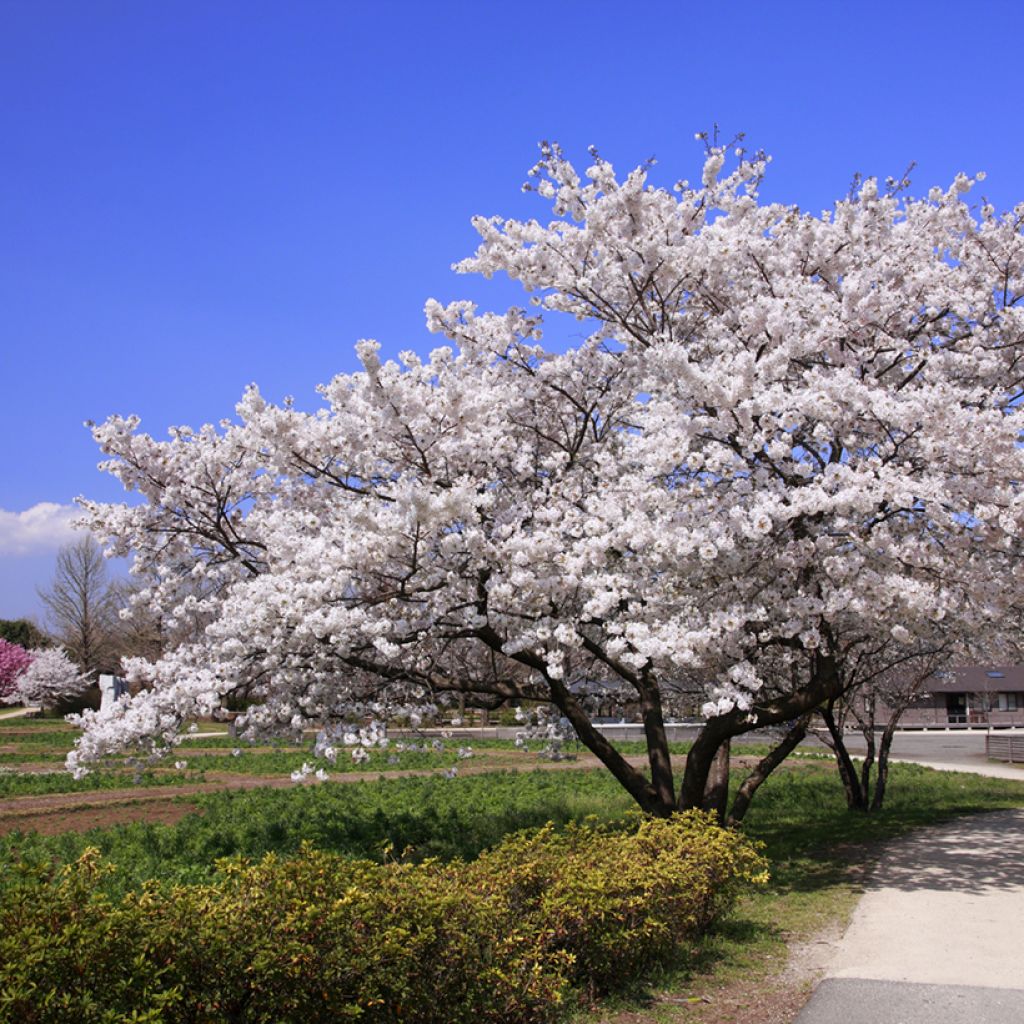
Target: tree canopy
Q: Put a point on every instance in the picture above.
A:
(784, 455)
(22, 632)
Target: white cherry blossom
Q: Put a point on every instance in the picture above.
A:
(785, 441)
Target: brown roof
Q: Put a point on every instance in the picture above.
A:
(979, 679)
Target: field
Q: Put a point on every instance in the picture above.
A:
(176, 824)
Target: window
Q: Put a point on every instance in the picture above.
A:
(994, 675)
(1011, 701)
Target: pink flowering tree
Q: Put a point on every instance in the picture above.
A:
(785, 440)
(14, 660)
(50, 679)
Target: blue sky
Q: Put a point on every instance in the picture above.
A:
(196, 195)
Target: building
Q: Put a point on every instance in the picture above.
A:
(973, 696)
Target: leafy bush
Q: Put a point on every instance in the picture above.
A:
(68, 953)
(321, 938)
(620, 903)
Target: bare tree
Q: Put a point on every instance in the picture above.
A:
(145, 631)
(82, 605)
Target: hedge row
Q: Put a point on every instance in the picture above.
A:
(513, 937)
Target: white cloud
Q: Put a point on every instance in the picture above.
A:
(43, 527)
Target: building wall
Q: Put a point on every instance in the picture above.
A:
(936, 715)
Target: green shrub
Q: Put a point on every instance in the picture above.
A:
(318, 938)
(68, 954)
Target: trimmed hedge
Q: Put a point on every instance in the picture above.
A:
(320, 938)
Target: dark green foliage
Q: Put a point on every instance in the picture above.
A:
(23, 633)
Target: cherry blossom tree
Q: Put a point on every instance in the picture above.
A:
(784, 439)
(14, 660)
(51, 678)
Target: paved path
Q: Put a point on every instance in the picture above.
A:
(990, 769)
(955, 750)
(938, 938)
(19, 713)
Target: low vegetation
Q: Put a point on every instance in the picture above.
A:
(316, 937)
(310, 889)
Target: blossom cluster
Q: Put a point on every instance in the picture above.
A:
(14, 660)
(50, 678)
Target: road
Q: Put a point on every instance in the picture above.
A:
(956, 750)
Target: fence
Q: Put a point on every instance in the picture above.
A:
(1005, 748)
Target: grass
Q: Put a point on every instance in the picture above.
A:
(15, 721)
(799, 815)
(46, 743)
(411, 818)
(58, 781)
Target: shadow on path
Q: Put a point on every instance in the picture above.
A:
(980, 853)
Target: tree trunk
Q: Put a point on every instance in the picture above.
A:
(867, 728)
(882, 778)
(823, 685)
(699, 761)
(634, 782)
(765, 767)
(716, 791)
(856, 798)
(658, 756)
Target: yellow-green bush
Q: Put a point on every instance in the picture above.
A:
(68, 954)
(621, 903)
(320, 938)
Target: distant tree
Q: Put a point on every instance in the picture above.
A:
(23, 632)
(82, 605)
(51, 679)
(144, 630)
(14, 660)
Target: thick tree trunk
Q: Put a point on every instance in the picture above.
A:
(658, 756)
(856, 798)
(634, 782)
(765, 767)
(716, 791)
(642, 791)
(699, 761)
(824, 685)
